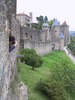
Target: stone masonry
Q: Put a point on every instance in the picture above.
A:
(43, 41)
(8, 60)
(4, 63)
(46, 40)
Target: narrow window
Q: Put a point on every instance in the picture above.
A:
(26, 34)
(31, 37)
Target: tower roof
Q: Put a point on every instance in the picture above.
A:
(61, 36)
(55, 23)
(64, 23)
(45, 25)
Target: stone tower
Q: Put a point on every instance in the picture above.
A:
(64, 28)
(61, 43)
(56, 29)
(45, 28)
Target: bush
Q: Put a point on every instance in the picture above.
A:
(60, 83)
(65, 74)
(31, 58)
(53, 89)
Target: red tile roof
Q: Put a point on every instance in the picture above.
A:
(22, 14)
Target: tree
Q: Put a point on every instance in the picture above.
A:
(31, 58)
(71, 45)
(45, 19)
(51, 22)
(40, 20)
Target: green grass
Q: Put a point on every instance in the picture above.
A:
(30, 77)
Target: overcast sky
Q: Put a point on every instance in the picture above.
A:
(63, 10)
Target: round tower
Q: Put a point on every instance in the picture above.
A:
(61, 42)
(56, 29)
(65, 29)
(45, 28)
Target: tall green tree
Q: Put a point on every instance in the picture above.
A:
(31, 58)
(51, 22)
(46, 19)
(40, 20)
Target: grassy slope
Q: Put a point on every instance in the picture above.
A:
(31, 77)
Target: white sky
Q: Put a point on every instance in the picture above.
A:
(63, 10)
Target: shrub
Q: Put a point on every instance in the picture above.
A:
(31, 58)
(60, 83)
(53, 89)
(65, 74)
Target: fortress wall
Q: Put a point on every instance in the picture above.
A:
(27, 44)
(15, 27)
(57, 45)
(11, 9)
(13, 57)
(38, 41)
(41, 48)
(7, 60)
(43, 36)
(28, 33)
(4, 64)
(61, 44)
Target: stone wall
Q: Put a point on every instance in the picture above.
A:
(11, 9)
(42, 48)
(7, 60)
(4, 45)
(28, 33)
(15, 29)
(42, 40)
(61, 44)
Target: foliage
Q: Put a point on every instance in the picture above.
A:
(35, 25)
(65, 73)
(51, 22)
(40, 20)
(53, 89)
(45, 19)
(60, 83)
(31, 78)
(71, 45)
(31, 58)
